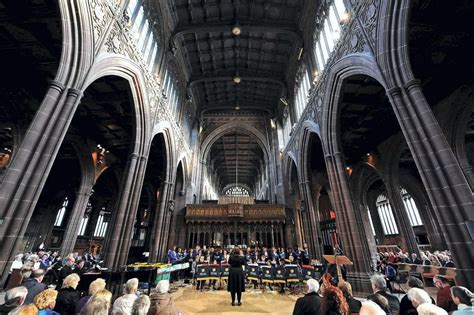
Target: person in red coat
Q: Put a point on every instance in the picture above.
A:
(443, 297)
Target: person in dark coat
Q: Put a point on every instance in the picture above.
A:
(354, 305)
(236, 282)
(406, 307)
(66, 270)
(68, 296)
(310, 304)
(34, 285)
(14, 299)
(379, 286)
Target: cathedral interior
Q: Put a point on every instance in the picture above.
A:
(131, 126)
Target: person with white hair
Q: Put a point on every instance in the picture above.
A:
(379, 285)
(311, 302)
(371, 308)
(421, 300)
(123, 305)
(141, 305)
(430, 309)
(14, 299)
(161, 301)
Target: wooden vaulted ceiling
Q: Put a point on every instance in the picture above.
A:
(261, 55)
(236, 157)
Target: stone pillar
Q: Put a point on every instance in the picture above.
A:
(379, 234)
(167, 222)
(350, 229)
(315, 229)
(401, 217)
(282, 236)
(120, 234)
(27, 173)
(74, 222)
(157, 224)
(444, 181)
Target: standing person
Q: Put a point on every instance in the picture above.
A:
(236, 283)
(310, 304)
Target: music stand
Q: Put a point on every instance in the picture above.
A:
(338, 260)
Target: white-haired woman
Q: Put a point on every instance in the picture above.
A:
(422, 302)
(141, 305)
(311, 302)
(161, 301)
(124, 304)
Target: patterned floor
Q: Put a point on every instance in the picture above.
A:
(218, 302)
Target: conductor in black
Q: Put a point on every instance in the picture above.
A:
(236, 284)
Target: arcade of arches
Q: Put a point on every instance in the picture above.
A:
(129, 126)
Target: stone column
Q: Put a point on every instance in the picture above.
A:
(167, 222)
(350, 229)
(74, 222)
(445, 183)
(315, 229)
(27, 173)
(401, 217)
(120, 234)
(157, 223)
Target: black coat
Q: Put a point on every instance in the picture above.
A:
(236, 274)
(310, 304)
(406, 308)
(66, 301)
(354, 305)
(34, 287)
(63, 273)
(392, 301)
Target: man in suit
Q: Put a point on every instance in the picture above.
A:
(309, 304)
(66, 270)
(379, 285)
(34, 285)
(415, 260)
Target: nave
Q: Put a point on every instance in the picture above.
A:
(148, 132)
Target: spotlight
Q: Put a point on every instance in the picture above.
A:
(237, 107)
(345, 18)
(237, 79)
(236, 30)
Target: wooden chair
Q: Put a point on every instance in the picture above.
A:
(429, 272)
(15, 279)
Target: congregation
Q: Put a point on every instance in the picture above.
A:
(51, 282)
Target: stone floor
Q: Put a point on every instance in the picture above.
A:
(191, 302)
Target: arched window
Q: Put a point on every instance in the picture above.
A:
(85, 220)
(237, 191)
(146, 38)
(171, 91)
(328, 35)
(102, 224)
(385, 212)
(61, 213)
(302, 87)
(370, 221)
(411, 208)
